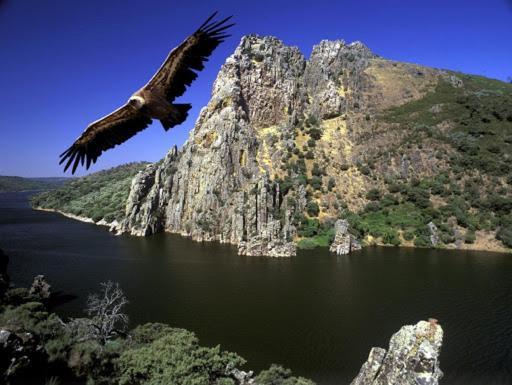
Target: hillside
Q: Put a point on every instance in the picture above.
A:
(409, 155)
(17, 183)
(101, 195)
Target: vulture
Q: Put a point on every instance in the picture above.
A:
(153, 101)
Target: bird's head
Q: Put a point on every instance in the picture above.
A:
(136, 101)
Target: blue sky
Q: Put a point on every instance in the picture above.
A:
(66, 63)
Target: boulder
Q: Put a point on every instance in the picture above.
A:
(411, 359)
(344, 242)
(40, 288)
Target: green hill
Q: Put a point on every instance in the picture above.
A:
(17, 183)
(101, 195)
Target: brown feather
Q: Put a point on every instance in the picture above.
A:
(104, 134)
(178, 70)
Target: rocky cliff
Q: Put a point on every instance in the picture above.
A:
(411, 359)
(287, 145)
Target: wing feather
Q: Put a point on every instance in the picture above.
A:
(178, 70)
(104, 134)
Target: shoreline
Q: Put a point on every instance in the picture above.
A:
(113, 226)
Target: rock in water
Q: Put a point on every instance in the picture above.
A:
(343, 242)
(40, 289)
(411, 359)
(281, 137)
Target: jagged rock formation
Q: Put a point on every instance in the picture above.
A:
(411, 359)
(344, 242)
(225, 183)
(286, 146)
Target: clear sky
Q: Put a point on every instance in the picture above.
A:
(65, 63)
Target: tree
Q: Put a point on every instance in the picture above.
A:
(106, 317)
(106, 311)
(277, 375)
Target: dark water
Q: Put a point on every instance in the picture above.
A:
(317, 314)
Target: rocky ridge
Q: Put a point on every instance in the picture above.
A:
(226, 184)
(288, 146)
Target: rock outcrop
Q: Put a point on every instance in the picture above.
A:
(40, 288)
(287, 146)
(344, 242)
(224, 184)
(411, 359)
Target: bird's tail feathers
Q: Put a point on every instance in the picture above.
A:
(178, 116)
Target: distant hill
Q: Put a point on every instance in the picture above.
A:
(17, 183)
(101, 195)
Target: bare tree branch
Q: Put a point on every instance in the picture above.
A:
(105, 310)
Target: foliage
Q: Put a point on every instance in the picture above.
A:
(101, 195)
(373, 194)
(312, 209)
(16, 183)
(277, 375)
(176, 358)
(152, 353)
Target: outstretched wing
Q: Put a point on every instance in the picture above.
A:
(178, 70)
(104, 134)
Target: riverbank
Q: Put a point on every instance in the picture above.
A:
(363, 298)
(485, 240)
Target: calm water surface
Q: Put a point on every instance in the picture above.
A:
(315, 313)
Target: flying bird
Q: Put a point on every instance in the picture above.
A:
(153, 101)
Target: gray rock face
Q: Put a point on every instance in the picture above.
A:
(344, 242)
(221, 186)
(411, 359)
(434, 234)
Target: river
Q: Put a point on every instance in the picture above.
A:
(316, 313)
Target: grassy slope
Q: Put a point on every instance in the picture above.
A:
(475, 194)
(17, 183)
(101, 195)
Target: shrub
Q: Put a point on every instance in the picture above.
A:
(422, 241)
(312, 209)
(317, 171)
(176, 358)
(331, 184)
(316, 182)
(277, 375)
(470, 237)
(373, 194)
(315, 133)
(390, 237)
(408, 235)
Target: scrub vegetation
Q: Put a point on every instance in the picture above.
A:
(101, 195)
(98, 349)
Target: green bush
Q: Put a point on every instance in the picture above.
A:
(277, 375)
(470, 237)
(373, 194)
(101, 195)
(176, 357)
(331, 184)
(312, 209)
(316, 182)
